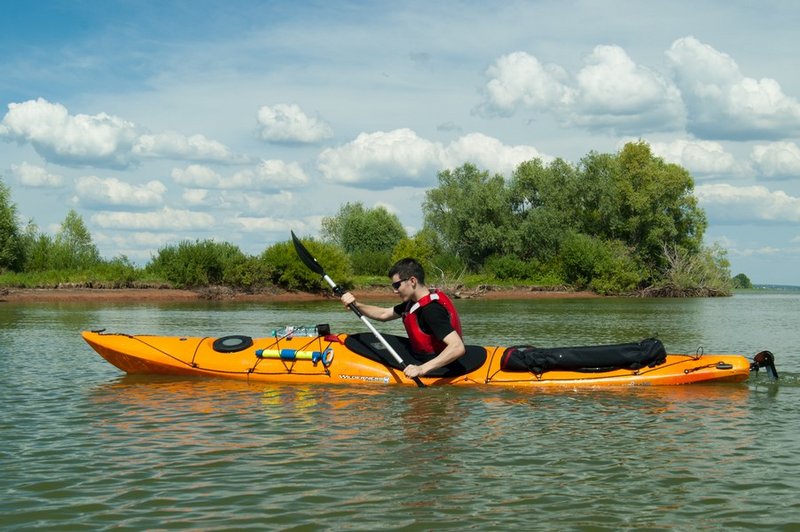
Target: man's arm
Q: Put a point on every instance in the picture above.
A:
(455, 349)
(370, 311)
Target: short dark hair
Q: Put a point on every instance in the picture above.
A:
(406, 268)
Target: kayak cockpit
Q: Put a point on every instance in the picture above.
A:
(367, 345)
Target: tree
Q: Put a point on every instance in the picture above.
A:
(545, 201)
(73, 246)
(470, 210)
(11, 244)
(742, 281)
(38, 249)
(357, 229)
(642, 201)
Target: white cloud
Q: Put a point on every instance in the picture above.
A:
(488, 152)
(165, 219)
(613, 92)
(112, 192)
(779, 160)
(610, 92)
(100, 140)
(195, 196)
(196, 175)
(172, 145)
(384, 160)
(271, 175)
(255, 224)
(519, 80)
(702, 157)
(758, 252)
(730, 204)
(135, 245)
(723, 103)
(33, 176)
(134, 239)
(288, 123)
(278, 226)
(78, 140)
(388, 206)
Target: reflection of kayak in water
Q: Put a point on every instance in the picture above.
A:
(309, 356)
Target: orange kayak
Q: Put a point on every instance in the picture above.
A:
(359, 359)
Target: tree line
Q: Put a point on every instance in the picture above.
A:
(626, 222)
(613, 223)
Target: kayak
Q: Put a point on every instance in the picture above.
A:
(315, 356)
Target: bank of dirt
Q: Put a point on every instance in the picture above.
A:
(223, 294)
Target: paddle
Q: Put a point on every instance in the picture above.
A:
(316, 267)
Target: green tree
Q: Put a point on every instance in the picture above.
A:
(423, 246)
(545, 202)
(742, 281)
(73, 248)
(642, 201)
(470, 210)
(38, 249)
(357, 229)
(11, 243)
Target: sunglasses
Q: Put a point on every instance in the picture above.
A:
(396, 284)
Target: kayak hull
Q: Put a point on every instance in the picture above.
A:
(327, 360)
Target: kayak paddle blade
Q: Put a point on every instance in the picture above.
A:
(306, 257)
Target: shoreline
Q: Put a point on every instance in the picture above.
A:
(28, 295)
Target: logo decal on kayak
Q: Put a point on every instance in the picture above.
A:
(364, 378)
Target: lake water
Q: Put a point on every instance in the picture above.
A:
(86, 447)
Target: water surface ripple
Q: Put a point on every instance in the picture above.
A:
(86, 447)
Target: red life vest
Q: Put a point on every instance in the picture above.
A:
(422, 342)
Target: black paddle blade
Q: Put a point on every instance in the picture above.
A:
(306, 257)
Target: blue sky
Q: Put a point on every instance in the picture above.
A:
(159, 121)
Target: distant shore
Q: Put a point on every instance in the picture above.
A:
(24, 295)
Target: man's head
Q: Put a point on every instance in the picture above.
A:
(407, 268)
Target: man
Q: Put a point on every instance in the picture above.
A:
(430, 319)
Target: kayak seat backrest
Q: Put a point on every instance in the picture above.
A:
(597, 358)
(367, 345)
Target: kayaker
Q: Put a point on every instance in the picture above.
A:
(430, 319)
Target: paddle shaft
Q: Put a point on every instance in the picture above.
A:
(316, 267)
(379, 336)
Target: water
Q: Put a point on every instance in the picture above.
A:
(86, 447)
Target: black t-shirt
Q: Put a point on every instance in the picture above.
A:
(433, 318)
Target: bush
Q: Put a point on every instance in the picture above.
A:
(119, 270)
(248, 273)
(194, 264)
(702, 274)
(603, 266)
(507, 268)
(371, 262)
(444, 270)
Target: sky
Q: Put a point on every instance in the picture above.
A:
(238, 121)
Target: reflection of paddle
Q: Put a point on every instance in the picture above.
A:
(315, 267)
